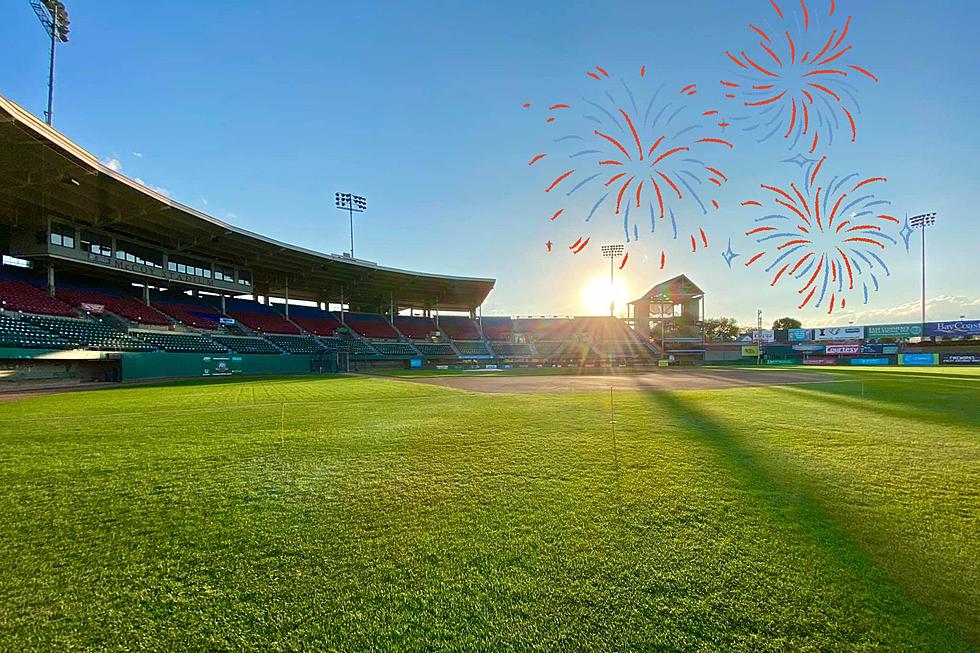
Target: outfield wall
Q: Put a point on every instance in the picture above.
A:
(157, 365)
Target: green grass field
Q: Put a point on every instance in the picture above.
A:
(356, 513)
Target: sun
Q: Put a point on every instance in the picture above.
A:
(597, 294)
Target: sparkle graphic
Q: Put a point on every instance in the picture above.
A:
(729, 255)
(800, 83)
(641, 154)
(906, 232)
(830, 235)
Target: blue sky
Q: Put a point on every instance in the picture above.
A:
(258, 112)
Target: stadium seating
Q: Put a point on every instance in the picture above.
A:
(472, 348)
(88, 334)
(258, 317)
(459, 328)
(315, 321)
(179, 342)
(19, 334)
(370, 325)
(246, 344)
(394, 349)
(16, 295)
(117, 302)
(188, 310)
(568, 350)
(416, 328)
(512, 349)
(296, 344)
(497, 328)
(352, 346)
(436, 349)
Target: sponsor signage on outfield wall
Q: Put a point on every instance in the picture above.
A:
(869, 361)
(893, 331)
(221, 365)
(799, 335)
(808, 348)
(763, 335)
(820, 360)
(843, 349)
(750, 351)
(918, 359)
(954, 329)
(879, 349)
(782, 361)
(839, 333)
(959, 359)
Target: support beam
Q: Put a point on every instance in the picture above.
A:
(51, 287)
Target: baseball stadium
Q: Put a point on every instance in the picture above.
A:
(214, 440)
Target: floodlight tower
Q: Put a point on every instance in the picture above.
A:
(352, 204)
(612, 252)
(921, 222)
(54, 19)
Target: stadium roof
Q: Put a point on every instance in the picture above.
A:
(40, 167)
(680, 287)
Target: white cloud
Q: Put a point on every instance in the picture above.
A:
(204, 201)
(138, 155)
(940, 307)
(113, 164)
(158, 189)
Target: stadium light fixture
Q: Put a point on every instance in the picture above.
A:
(54, 20)
(612, 252)
(921, 222)
(352, 204)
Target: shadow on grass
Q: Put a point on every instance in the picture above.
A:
(926, 402)
(789, 505)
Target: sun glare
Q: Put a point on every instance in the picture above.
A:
(597, 294)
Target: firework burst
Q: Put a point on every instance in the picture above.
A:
(827, 235)
(636, 156)
(798, 83)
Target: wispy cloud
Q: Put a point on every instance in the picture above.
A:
(940, 307)
(113, 164)
(158, 189)
(138, 155)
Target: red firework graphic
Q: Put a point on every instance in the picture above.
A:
(830, 235)
(797, 84)
(634, 152)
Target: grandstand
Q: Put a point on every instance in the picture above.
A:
(100, 268)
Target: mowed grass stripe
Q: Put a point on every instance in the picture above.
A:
(749, 519)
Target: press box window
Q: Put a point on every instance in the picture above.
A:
(139, 255)
(96, 244)
(63, 236)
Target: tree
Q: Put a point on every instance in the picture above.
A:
(721, 329)
(786, 323)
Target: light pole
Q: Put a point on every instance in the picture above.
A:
(921, 222)
(54, 19)
(612, 252)
(352, 204)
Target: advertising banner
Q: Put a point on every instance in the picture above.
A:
(918, 359)
(750, 351)
(96, 309)
(839, 333)
(782, 361)
(958, 328)
(843, 349)
(799, 335)
(893, 331)
(808, 348)
(959, 359)
(226, 321)
(869, 361)
(764, 335)
(820, 360)
(879, 349)
(415, 363)
(221, 365)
